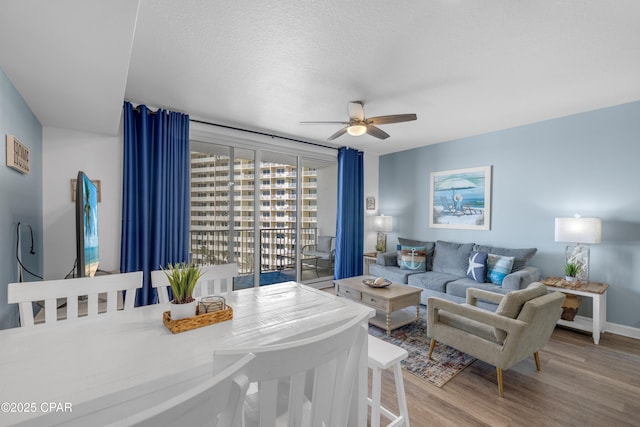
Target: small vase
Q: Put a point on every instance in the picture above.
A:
(182, 311)
(569, 278)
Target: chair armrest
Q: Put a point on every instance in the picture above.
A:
(475, 294)
(387, 258)
(521, 279)
(489, 318)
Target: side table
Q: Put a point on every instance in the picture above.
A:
(369, 258)
(598, 294)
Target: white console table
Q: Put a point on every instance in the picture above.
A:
(598, 294)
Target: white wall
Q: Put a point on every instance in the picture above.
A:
(327, 200)
(65, 152)
(371, 173)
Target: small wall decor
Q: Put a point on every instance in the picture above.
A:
(461, 199)
(96, 182)
(17, 155)
(371, 204)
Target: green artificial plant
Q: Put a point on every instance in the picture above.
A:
(183, 279)
(571, 269)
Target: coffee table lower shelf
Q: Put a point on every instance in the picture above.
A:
(398, 319)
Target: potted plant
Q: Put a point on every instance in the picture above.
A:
(570, 271)
(183, 279)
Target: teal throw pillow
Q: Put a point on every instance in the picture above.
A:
(498, 267)
(413, 258)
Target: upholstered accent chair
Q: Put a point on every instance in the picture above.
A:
(521, 326)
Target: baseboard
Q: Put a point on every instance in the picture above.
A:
(624, 330)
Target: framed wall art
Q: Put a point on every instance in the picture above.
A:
(371, 203)
(461, 199)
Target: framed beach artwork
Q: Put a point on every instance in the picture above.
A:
(461, 199)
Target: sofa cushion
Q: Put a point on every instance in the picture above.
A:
(429, 247)
(498, 267)
(459, 287)
(413, 258)
(432, 280)
(513, 302)
(393, 273)
(452, 258)
(522, 256)
(477, 266)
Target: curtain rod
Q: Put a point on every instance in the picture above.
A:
(263, 134)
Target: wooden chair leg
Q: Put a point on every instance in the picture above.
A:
(537, 359)
(431, 347)
(500, 387)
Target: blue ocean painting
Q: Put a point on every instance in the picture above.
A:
(460, 198)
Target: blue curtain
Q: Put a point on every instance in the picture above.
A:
(155, 194)
(350, 218)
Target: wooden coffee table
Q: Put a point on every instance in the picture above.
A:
(388, 301)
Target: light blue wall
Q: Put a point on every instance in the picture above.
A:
(20, 196)
(586, 163)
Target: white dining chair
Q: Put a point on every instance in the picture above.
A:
(308, 382)
(217, 401)
(49, 291)
(215, 280)
(187, 399)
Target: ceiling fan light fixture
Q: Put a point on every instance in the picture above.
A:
(357, 129)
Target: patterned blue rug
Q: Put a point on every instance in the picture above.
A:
(446, 362)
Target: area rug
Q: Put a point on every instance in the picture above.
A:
(446, 362)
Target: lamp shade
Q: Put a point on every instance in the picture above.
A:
(382, 223)
(578, 230)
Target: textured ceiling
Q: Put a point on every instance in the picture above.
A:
(464, 67)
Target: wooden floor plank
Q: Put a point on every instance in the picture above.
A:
(580, 384)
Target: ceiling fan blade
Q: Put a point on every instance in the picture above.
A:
(339, 133)
(324, 123)
(396, 118)
(356, 111)
(377, 132)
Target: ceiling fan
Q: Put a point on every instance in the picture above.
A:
(359, 125)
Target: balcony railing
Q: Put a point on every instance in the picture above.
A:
(277, 246)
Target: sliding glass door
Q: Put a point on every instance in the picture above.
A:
(261, 210)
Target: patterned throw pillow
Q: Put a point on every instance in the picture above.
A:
(413, 258)
(477, 266)
(498, 267)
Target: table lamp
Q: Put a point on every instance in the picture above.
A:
(382, 224)
(578, 231)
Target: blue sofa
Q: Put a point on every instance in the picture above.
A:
(446, 270)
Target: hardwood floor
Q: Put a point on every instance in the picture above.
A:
(580, 384)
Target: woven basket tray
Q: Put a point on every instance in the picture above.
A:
(197, 321)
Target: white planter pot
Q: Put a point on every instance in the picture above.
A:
(569, 278)
(182, 311)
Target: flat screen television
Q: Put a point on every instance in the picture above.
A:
(87, 255)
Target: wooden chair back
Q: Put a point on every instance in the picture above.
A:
(215, 402)
(215, 280)
(319, 373)
(49, 291)
(189, 398)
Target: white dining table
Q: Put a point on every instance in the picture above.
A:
(51, 368)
